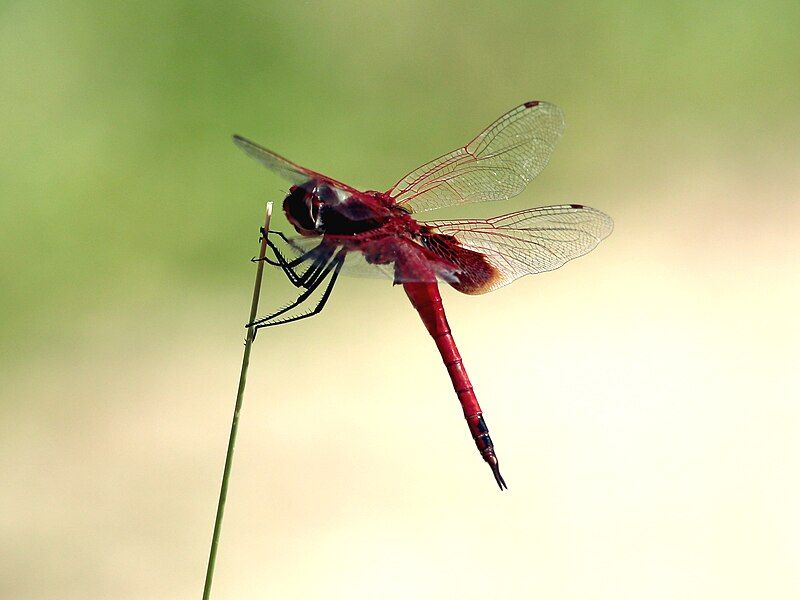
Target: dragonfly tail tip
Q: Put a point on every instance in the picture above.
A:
(495, 466)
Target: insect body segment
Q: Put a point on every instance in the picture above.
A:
(426, 299)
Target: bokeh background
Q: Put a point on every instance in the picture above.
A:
(643, 399)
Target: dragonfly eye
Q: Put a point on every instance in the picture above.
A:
(299, 209)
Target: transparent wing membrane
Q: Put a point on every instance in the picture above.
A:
(496, 165)
(284, 167)
(530, 241)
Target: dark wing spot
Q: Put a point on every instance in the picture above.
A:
(475, 274)
(531, 103)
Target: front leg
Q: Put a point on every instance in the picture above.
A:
(318, 255)
(293, 263)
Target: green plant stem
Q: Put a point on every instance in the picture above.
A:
(248, 344)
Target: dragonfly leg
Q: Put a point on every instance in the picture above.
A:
(321, 272)
(318, 255)
(316, 269)
(287, 241)
(320, 305)
(278, 233)
(292, 263)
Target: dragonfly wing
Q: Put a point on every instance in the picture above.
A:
(285, 168)
(525, 242)
(496, 165)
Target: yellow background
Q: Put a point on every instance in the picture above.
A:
(643, 399)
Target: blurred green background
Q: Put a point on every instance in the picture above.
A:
(643, 399)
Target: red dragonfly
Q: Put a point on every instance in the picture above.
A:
(342, 227)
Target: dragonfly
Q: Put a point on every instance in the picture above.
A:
(341, 229)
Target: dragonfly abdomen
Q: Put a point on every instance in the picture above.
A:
(426, 299)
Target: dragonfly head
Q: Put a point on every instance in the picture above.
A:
(303, 208)
(317, 207)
